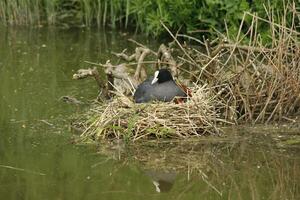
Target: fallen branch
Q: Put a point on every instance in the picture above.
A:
(84, 73)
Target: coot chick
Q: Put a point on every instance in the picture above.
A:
(161, 87)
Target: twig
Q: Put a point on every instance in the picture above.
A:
(178, 43)
(141, 45)
(22, 170)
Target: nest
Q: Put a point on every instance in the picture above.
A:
(249, 81)
(122, 118)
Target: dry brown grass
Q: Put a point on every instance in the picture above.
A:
(122, 118)
(245, 81)
(257, 82)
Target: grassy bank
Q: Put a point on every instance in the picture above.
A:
(233, 79)
(193, 17)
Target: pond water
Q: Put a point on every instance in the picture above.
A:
(39, 161)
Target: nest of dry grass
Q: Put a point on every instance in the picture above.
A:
(247, 80)
(122, 118)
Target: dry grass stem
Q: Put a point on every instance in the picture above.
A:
(233, 80)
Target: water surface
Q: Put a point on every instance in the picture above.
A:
(39, 161)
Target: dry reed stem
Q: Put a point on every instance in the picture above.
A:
(248, 81)
(263, 81)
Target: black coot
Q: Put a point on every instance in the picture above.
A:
(161, 87)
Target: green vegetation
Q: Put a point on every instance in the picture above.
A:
(191, 16)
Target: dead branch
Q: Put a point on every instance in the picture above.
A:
(143, 46)
(139, 56)
(84, 73)
(121, 77)
(140, 73)
(164, 55)
(124, 56)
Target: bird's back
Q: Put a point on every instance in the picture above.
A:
(165, 91)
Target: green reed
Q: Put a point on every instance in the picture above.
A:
(144, 15)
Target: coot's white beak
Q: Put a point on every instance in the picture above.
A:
(155, 79)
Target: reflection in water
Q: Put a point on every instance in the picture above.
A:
(235, 167)
(37, 160)
(163, 181)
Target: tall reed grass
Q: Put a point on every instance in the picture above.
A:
(20, 12)
(197, 17)
(67, 12)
